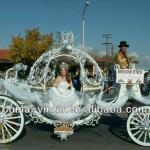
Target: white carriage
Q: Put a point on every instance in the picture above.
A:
(24, 96)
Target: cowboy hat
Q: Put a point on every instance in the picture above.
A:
(123, 44)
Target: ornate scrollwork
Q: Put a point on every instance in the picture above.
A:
(67, 38)
(44, 69)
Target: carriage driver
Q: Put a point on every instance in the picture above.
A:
(121, 58)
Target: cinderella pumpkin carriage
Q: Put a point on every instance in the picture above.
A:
(49, 95)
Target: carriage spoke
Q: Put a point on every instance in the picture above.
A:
(144, 118)
(140, 135)
(135, 128)
(137, 132)
(148, 117)
(16, 117)
(137, 120)
(11, 112)
(12, 122)
(7, 114)
(3, 106)
(145, 137)
(140, 116)
(11, 127)
(7, 130)
(3, 133)
(134, 123)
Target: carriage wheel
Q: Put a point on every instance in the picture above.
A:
(138, 126)
(27, 118)
(11, 119)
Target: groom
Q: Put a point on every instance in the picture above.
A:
(76, 81)
(145, 88)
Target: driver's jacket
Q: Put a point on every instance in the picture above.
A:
(122, 60)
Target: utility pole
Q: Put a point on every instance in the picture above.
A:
(83, 23)
(112, 51)
(106, 42)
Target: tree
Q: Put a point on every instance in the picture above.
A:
(30, 47)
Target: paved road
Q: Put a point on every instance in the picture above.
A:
(110, 134)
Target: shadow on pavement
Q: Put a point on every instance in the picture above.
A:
(117, 127)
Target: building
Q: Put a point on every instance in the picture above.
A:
(5, 62)
(105, 61)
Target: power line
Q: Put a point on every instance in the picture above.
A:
(107, 37)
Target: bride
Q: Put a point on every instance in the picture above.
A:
(63, 83)
(63, 96)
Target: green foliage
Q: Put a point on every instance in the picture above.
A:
(30, 47)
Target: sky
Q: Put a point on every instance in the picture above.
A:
(125, 19)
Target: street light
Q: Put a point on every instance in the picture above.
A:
(83, 22)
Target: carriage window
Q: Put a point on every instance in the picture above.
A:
(73, 71)
(90, 71)
(37, 71)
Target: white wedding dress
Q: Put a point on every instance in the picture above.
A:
(65, 103)
(60, 102)
(62, 96)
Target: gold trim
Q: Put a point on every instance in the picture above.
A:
(63, 128)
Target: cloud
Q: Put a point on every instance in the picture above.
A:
(102, 53)
(92, 51)
(147, 58)
(134, 53)
(145, 62)
(87, 48)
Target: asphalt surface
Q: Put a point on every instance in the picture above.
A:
(109, 134)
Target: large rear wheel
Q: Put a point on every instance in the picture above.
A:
(138, 126)
(11, 119)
